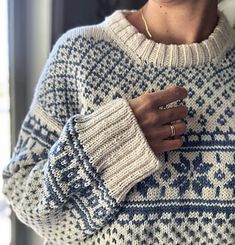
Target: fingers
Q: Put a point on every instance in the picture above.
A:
(178, 135)
(164, 132)
(167, 96)
(168, 145)
(172, 114)
(180, 129)
(176, 121)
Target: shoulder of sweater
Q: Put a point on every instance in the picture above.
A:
(58, 83)
(89, 32)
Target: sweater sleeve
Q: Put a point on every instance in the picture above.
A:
(67, 181)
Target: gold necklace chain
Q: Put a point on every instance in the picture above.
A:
(145, 23)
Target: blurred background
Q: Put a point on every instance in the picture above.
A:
(28, 30)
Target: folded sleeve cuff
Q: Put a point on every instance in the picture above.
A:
(116, 146)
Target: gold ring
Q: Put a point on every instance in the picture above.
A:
(172, 130)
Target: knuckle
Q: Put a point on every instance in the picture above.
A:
(153, 119)
(157, 99)
(144, 96)
(147, 101)
(157, 118)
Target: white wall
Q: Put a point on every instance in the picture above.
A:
(39, 14)
(38, 38)
(228, 8)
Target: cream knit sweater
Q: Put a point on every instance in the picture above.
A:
(82, 171)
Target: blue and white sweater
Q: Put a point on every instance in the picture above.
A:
(82, 171)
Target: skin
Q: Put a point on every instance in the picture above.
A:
(177, 21)
(154, 121)
(170, 22)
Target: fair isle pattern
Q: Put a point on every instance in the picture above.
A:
(82, 170)
(60, 201)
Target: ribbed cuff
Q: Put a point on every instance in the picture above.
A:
(117, 147)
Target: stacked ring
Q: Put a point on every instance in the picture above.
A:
(172, 130)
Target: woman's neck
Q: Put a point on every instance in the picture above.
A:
(177, 21)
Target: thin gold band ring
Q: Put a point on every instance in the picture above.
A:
(172, 130)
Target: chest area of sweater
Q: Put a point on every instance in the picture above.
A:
(204, 166)
(211, 91)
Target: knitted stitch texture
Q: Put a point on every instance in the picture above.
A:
(82, 171)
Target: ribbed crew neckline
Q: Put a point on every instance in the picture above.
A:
(143, 49)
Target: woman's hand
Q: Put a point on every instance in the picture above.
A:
(156, 122)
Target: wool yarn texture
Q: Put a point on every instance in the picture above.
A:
(82, 171)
